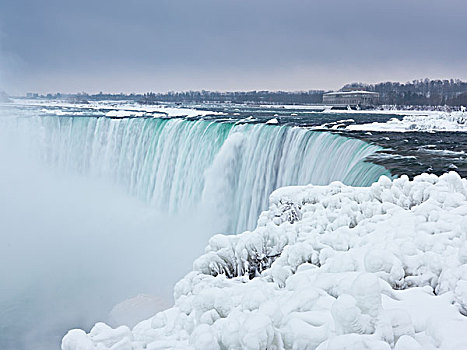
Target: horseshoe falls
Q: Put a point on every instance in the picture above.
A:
(225, 169)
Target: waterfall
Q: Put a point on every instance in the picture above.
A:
(179, 164)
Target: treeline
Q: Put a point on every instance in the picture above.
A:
(273, 97)
(418, 92)
(300, 97)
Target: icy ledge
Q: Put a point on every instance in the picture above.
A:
(328, 267)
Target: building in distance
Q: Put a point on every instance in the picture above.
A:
(351, 98)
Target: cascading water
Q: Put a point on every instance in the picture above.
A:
(178, 164)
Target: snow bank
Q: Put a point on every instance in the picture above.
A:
(430, 122)
(327, 268)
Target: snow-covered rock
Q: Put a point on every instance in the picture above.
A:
(328, 268)
(272, 121)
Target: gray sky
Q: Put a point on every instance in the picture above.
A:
(161, 45)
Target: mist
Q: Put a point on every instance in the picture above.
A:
(74, 246)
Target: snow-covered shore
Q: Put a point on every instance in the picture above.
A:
(113, 109)
(406, 120)
(429, 122)
(328, 267)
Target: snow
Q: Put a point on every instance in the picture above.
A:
(429, 122)
(121, 113)
(329, 268)
(115, 109)
(272, 121)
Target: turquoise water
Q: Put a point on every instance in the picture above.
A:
(224, 168)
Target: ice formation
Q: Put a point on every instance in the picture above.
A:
(327, 268)
(429, 122)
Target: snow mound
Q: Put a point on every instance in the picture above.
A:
(430, 122)
(327, 268)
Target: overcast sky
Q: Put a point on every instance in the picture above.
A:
(161, 45)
